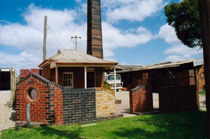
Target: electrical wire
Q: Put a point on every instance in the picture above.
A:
(55, 36)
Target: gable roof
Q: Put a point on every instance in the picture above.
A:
(69, 56)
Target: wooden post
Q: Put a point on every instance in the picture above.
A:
(56, 74)
(204, 8)
(115, 90)
(28, 115)
(45, 38)
(85, 77)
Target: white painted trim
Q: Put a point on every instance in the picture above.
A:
(91, 66)
(85, 77)
(115, 89)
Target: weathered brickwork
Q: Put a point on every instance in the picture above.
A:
(46, 108)
(79, 106)
(26, 72)
(178, 98)
(105, 102)
(94, 40)
(52, 104)
(141, 99)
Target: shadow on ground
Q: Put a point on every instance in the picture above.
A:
(52, 132)
(168, 126)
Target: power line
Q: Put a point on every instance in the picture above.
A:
(55, 36)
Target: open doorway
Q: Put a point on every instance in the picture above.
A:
(90, 79)
(5, 80)
(155, 98)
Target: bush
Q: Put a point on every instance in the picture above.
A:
(107, 86)
(203, 92)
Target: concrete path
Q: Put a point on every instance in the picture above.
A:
(202, 100)
(6, 113)
(124, 107)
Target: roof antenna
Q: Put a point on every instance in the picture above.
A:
(45, 38)
(76, 40)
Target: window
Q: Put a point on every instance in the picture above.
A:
(68, 79)
(111, 77)
(32, 94)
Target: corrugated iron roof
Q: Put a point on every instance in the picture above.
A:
(164, 65)
(69, 56)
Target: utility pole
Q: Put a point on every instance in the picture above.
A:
(76, 40)
(204, 8)
(45, 38)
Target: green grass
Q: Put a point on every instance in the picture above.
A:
(203, 92)
(185, 125)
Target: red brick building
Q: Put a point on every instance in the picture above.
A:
(75, 69)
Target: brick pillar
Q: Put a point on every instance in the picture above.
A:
(141, 99)
(94, 38)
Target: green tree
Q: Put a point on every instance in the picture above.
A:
(185, 18)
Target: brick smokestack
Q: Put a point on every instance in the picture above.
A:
(94, 38)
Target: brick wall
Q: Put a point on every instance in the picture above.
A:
(105, 102)
(46, 72)
(56, 105)
(99, 77)
(200, 78)
(179, 98)
(77, 76)
(79, 106)
(46, 108)
(141, 99)
(26, 72)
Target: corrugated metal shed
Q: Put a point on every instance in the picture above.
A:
(196, 62)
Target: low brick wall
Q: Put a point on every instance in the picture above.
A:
(105, 102)
(178, 98)
(79, 106)
(141, 99)
(52, 104)
(46, 108)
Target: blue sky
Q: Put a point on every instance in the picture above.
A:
(134, 31)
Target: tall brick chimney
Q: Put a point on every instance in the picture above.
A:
(94, 38)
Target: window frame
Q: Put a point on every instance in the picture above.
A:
(69, 79)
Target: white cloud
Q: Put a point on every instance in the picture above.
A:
(114, 38)
(62, 24)
(168, 34)
(182, 50)
(177, 51)
(20, 61)
(175, 58)
(132, 10)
